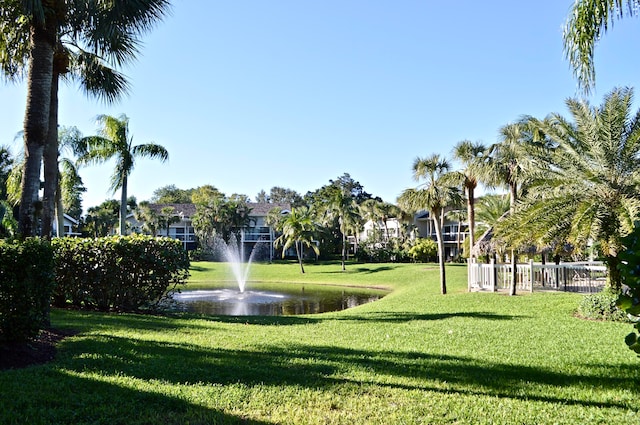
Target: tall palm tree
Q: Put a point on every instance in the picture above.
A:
(512, 163)
(29, 30)
(434, 195)
(588, 21)
(298, 229)
(85, 39)
(114, 141)
(590, 193)
(343, 208)
(471, 156)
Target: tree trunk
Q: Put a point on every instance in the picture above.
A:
(123, 207)
(50, 161)
(471, 217)
(36, 125)
(344, 248)
(438, 229)
(59, 212)
(514, 265)
(299, 257)
(614, 278)
(513, 192)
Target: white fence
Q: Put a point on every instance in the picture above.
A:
(571, 277)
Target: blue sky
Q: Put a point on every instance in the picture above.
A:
(247, 95)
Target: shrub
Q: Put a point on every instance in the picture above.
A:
(602, 306)
(26, 282)
(124, 273)
(629, 269)
(424, 250)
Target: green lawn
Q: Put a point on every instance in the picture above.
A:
(414, 357)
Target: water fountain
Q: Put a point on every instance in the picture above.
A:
(233, 252)
(242, 302)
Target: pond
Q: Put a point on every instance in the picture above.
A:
(263, 300)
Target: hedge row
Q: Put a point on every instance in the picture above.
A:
(122, 273)
(130, 273)
(26, 282)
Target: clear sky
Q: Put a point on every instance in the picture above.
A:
(251, 94)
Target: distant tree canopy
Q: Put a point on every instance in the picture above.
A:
(170, 194)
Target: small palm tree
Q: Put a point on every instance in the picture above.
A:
(298, 229)
(434, 196)
(148, 217)
(114, 141)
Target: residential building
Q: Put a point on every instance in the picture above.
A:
(256, 235)
(453, 235)
(70, 225)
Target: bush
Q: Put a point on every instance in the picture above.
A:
(26, 283)
(424, 250)
(629, 269)
(602, 306)
(124, 273)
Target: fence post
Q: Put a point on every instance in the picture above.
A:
(492, 275)
(470, 264)
(531, 274)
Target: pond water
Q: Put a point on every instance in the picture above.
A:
(285, 301)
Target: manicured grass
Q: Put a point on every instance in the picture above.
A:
(413, 357)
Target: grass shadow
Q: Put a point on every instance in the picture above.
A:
(57, 395)
(317, 367)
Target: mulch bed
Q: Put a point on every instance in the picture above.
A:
(42, 349)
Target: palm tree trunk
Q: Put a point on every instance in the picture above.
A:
(59, 211)
(344, 249)
(614, 278)
(123, 207)
(36, 125)
(299, 257)
(471, 215)
(513, 192)
(438, 229)
(514, 274)
(50, 161)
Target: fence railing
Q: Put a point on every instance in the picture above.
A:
(571, 277)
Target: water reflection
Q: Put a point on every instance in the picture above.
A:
(298, 300)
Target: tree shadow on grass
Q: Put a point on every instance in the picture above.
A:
(50, 395)
(317, 367)
(399, 317)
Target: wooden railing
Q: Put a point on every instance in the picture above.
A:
(572, 277)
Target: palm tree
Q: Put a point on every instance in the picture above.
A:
(588, 21)
(490, 209)
(85, 39)
(589, 194)
(298, 229)
(114, 141)
(148, 217)
(69, 184)
(29, 31)
(470, 155)
(434, 195)
(101, 220)
(511, 163)
(343, 208)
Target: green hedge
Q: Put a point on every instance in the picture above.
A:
(26, 282)
(121, 273)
